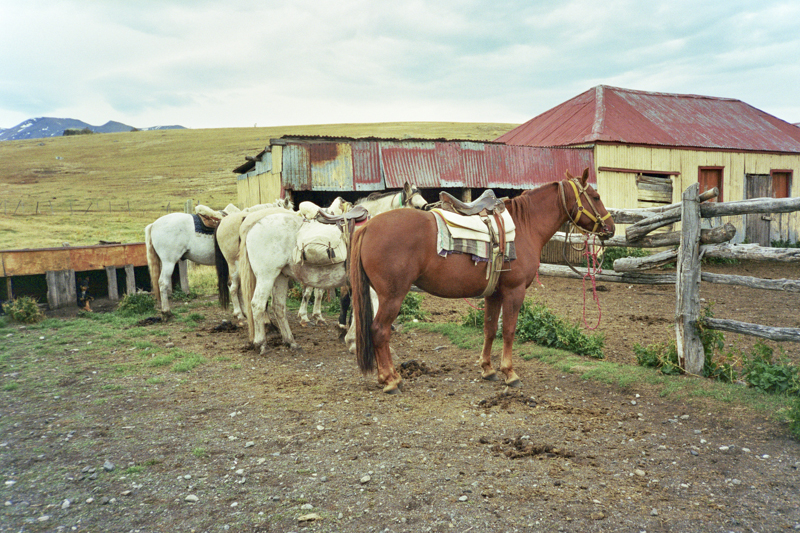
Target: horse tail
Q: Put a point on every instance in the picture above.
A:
(362, 307)
(153, 262)
(247, 285)
(223, 275)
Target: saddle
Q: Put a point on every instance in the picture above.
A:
(358, 213)
(487, 202)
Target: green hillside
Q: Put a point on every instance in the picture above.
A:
(86, 188)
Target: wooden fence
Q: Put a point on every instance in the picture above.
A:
(693, 244)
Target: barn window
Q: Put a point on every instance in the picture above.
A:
(781, 183)
(653, 189)
(710, 177)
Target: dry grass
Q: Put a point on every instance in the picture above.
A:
(85, 188)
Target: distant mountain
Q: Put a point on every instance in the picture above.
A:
(37, 128)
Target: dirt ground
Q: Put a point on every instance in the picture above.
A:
(300, 441)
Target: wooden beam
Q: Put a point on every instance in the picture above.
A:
(113, 290)
(130, 279)
(757, 330)
(691, 356)
(783, 284)
(183, 272)
(751, 252)
(561, 271)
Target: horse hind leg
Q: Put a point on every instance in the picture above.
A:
(302, 313)
(165, 286)
(381, 331)
(316, 314)
(235, 293)
(279, 292)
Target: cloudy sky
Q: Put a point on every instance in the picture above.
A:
(238, 63)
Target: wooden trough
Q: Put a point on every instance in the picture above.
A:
(22, 271)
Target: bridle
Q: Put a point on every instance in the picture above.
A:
(593, 260)
(579, 190)
(405, 200)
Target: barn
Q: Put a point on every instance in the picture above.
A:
(319, 169)
(648, 147)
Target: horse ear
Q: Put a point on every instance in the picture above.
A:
(569, 176)
(407, 188)
(585, 176)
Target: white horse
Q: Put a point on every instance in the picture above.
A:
(226, 252)
(266, 265)
(174, 237)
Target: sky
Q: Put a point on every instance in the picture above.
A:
(243, 63)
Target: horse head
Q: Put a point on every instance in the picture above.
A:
(412, 197)
(591, 218)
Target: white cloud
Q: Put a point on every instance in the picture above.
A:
(209, 64)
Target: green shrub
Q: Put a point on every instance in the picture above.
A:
(474, 318)
(137, 303)
(776, 377)
(662, 356)
(411, 308)
(794, 418)
(24, 309)
(612, 253)
(538, 324)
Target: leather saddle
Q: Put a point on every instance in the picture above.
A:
(487, 202)
(358, 213)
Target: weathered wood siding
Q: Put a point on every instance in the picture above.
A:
(619, 189)
(262, 184)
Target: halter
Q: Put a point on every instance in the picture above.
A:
(406, 200)
(579, 190)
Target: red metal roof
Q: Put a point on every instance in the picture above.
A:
(388, 164)
(611, 114)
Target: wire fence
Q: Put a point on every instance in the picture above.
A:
(33, 207)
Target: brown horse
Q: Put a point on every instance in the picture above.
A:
(398, 249)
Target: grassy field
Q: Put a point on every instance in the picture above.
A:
(86, 188)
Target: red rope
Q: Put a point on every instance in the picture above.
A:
(592, 269)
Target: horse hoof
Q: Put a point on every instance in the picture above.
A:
(514, 383)
(489, 377)
(391, 389)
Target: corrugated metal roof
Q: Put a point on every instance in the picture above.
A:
(377, 165)
(612, 114)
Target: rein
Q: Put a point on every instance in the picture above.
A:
(589, 248)
(592, 269)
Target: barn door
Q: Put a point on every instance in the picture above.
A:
(757, 225)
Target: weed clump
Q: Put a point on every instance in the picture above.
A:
(137, 303)
(24, 309)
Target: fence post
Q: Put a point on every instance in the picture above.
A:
(687, 286)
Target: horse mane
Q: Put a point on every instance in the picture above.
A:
(523, 208)
(375, 196)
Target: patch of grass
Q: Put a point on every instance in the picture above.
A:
(136, 469)
(162, 360)
(188, 363)
(199, 452)
(10, 386)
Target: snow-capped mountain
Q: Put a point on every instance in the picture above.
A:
(37, 128)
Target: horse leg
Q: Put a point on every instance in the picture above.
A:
(303, 312)
(317, 312)
(350, 337)
(279, 292)
(344, 307)
(235, 293)
(511, 306)
(165, 286)
(258, 304)
(381, 331)
(491, 313)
